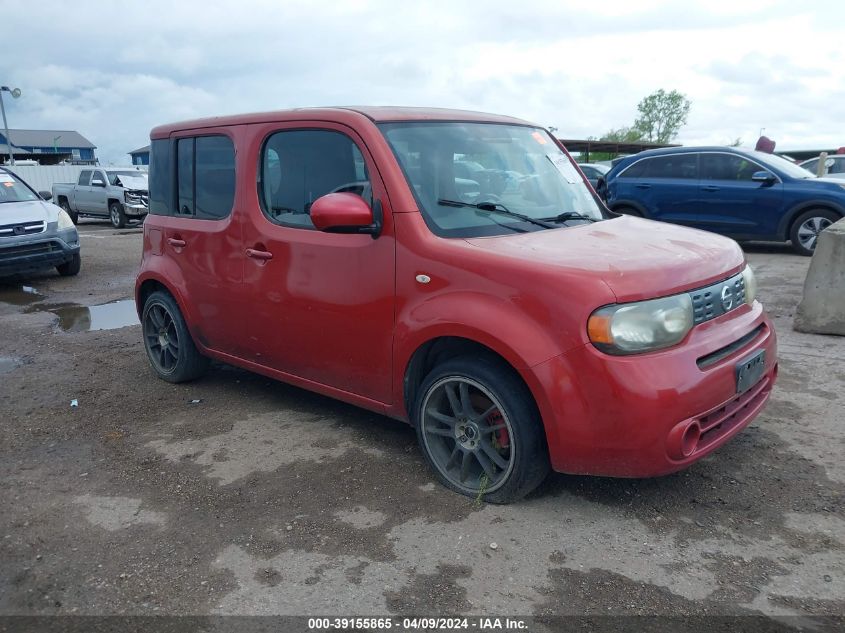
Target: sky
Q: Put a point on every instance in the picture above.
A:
(113, 70)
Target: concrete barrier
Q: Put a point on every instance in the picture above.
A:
(822, 310)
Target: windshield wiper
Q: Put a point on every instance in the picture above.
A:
(569, 215)
(496, 207)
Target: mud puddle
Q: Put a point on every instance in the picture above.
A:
(20, 295)
(77, 318)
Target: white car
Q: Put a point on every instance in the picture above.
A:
(834, 166)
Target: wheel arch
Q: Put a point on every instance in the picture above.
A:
(148, 284)
(788, 220)
(621, 204)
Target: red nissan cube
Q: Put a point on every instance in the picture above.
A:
(453, 270)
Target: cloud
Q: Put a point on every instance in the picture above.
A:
(115, 71)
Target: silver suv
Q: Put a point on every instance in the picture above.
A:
(34, 234)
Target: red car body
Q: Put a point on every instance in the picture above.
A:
(361, 316)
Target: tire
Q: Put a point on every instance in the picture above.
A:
(494, 449)
(629, 211)
(806, 228)
(71, 268)
(116, 215)
(170, 349)
(74, 216)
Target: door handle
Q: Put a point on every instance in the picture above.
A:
(176, 242)
(260, 255)
(643, 186)
(710, 188)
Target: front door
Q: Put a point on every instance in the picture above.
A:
(321, 305)
(732, 203)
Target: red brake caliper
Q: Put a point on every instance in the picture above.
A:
(502, 439)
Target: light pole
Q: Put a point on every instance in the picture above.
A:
(15, 92)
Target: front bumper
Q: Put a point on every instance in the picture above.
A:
(45, 250)
(630, 416)
(135, 210)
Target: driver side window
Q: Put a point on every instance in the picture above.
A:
(297, 167)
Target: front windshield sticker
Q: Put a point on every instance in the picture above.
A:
(8, 184)
(6, 178)
(539, 138)
(564, 166)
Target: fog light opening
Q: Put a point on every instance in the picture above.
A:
(689, 440)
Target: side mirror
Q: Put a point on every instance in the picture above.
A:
(346, 213)
(97, 183)
(763, 176)
(45, 195)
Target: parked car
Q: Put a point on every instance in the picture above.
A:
(34, 234)
(834, 166)
(744, 194)
(594, 171)
(117, 194)
(517, 331)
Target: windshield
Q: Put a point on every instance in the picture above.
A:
(790, 169)
(474, 179)
(13, 190)
(114, 175)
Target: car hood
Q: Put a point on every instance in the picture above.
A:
(637, 259)
(28, 211)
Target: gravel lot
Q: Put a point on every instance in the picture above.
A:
(265, 499)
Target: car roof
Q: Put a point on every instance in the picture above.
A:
(339, 114)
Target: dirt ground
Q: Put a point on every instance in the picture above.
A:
(262, 498)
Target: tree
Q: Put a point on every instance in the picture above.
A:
(623, 135)
(662, 114)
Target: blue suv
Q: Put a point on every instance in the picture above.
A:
(744, 194)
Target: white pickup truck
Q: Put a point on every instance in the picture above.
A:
(117, 194)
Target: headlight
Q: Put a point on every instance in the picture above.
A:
(644, 326)
(750, 284)
(64, 221)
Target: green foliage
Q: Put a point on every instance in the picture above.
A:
(623, 135)
(662, 114)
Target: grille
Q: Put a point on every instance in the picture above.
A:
(22, 228)
(26, 249)
(720, 422)
(707, 303)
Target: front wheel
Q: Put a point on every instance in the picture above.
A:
(480, 430)
(807, 227)
(116, 215)
(169, 345)
(71, 268)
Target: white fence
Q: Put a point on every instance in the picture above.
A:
(43, 177)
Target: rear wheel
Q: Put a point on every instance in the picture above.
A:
(116, 215)
(74, 216)
(807, 227)
(169, 345)
(480, 431)
(71, 268)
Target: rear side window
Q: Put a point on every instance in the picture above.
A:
(84, 177)
(683, 166)
(717, 166)
(299, 166)
(635, 171)
(205, 176)
(161, 178)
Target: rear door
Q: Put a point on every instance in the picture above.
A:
(202, 237)
(321, 304)
(667, 187)
(732, 203)
(81, 201)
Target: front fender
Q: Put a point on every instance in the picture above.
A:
(495, 323)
